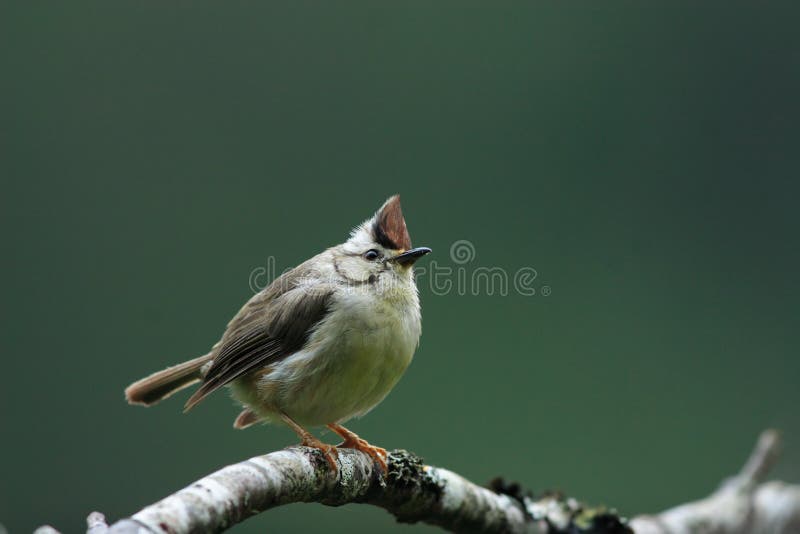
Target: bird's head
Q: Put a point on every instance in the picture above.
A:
(381, 246)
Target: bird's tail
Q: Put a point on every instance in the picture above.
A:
(160, 385)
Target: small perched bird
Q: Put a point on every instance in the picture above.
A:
(323, 343)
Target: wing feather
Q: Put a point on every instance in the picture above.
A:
(274, 324)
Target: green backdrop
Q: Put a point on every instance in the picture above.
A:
(643, 160)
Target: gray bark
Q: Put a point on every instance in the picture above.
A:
(413, 491)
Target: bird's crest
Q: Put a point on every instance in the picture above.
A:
(389, 226)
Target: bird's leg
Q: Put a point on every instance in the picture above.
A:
(352, 441)
(307, 439)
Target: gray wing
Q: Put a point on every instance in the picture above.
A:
(274, 324)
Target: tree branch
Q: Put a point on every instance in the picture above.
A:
(413, 492)
(742, 504)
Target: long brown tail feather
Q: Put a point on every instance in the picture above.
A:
(160, 385)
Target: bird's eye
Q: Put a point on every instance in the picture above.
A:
(372, 255)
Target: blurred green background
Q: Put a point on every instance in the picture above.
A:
(644, 160)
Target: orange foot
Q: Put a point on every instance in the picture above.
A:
(352, 441)
(329, 451)
(308, 440)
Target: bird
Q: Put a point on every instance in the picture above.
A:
(323, 343)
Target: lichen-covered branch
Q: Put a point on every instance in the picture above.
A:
(413, 492)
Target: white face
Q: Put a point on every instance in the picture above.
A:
(363, 258)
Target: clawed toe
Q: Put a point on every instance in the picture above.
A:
(308, 440)
(352, 441)
(328, 451)
(378, 454)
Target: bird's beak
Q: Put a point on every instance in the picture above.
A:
(408, 257)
